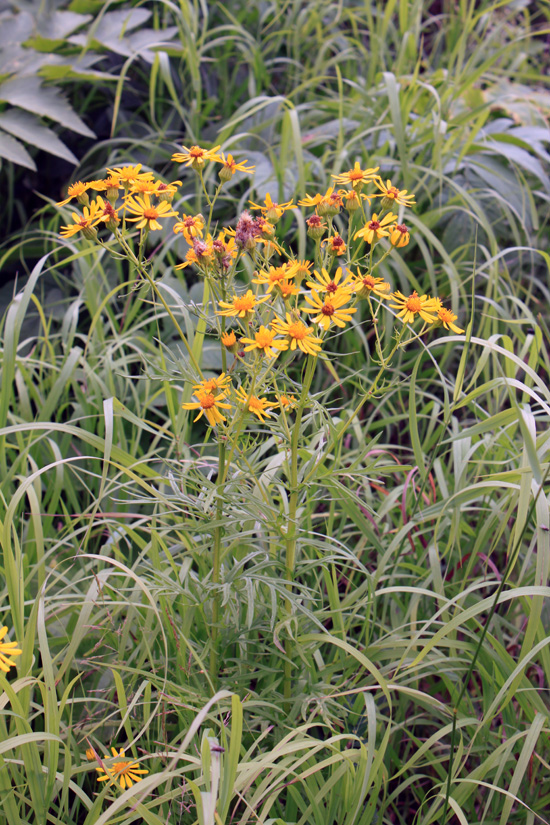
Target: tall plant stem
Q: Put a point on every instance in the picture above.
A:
(294, 487)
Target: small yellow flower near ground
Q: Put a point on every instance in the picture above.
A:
(411, 306)
(375, 227)
(330, 308)
(265, 341)
(127, 175)
(274, 276)
(448, 319)
(391, 194)
(325, 283)
(298, 335)
(195, 157)
(366, 285)
(148, 214)
(271, 210)
(76, 190)
(399, 235)
(356, 177)
(209, 405)
(7, 650)
(241, 306)
(210, 385)
(258, 406)
(123, 772)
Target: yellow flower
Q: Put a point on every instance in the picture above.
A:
(300, 269)
(399, 235)
(84, 223)
(298, 334)
(229, 341)
(110, 185)
(356, 177)
(287, 402)
(275, 276)
(367, 285)
(448, 319)
(375, 227)
(258, 406)
(391, 194)
(271, 210)
(353, 199)
(324, 283)
(315, 227)
(336, 245)
(7, 649)
(242, 306)
(123, 772)
(211, 385)
(143, 186)
(147, 214)
(327, 204)
(287, 290)
(190, 227)
(209, 405)
(195, 157)
(109, 215)
(90, 755)
(127, 175)
(330, 308)
(76, 190)
(166, 191)
(230, 166)
(414, 305)
(265, 341)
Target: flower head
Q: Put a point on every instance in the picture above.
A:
(271, 210)
(212, 385)
(195, 157)
(229, 341)
(336, 245)
(391, 194)
(356, 177)
(230, 166)
(128, 175)
(7, 650)
(190, 226)
(375, 227)
(327, 204)
(264, 340)
(399, 235)
(298, 334)
(84, 223)
(287, 402)
(241, 306)
(411, 306)
(123, 771)
(448, 318)
(330, 308)
(148, 214)
(366, 285)
(258, 406)
(76, 190)
(325, 283)
(209, 405)
(315, 227)
(275, 276)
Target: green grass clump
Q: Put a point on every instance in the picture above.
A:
(397, 670)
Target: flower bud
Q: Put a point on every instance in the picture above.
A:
(83, 199)
(315, 227)
(89, 232)
(229, 340)
(225, 174)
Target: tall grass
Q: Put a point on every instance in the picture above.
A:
(406, 528)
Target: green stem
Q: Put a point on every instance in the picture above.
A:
(290, 561)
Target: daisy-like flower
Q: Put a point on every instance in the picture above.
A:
(195, 157)
(230, 166)
(84, 223)
(356, 177)
(272, 211)
(166, 191)
(123, 772)
(258, 406)
(109, 215)
(315, 227)
(76, 190)
(128, 175)
(110, 186)
(411, 306)
(366, 285)
(209, 405)
(336, 245)
(391, 194)
(353, 198)
(298, 335)
(241, 306)
(190, 226)
(229, 341)
(7, 650)
(264, 340)
(327, 204)
(330, 308)
(275, 276)
(399, 235)
(287, 402)
(212, 385)
(287, 290)
(300, 269)
(325, 283)
(148, 214)
(375, 227)
(143, 186)
(448, 318)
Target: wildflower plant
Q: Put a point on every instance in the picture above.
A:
(274, 318)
